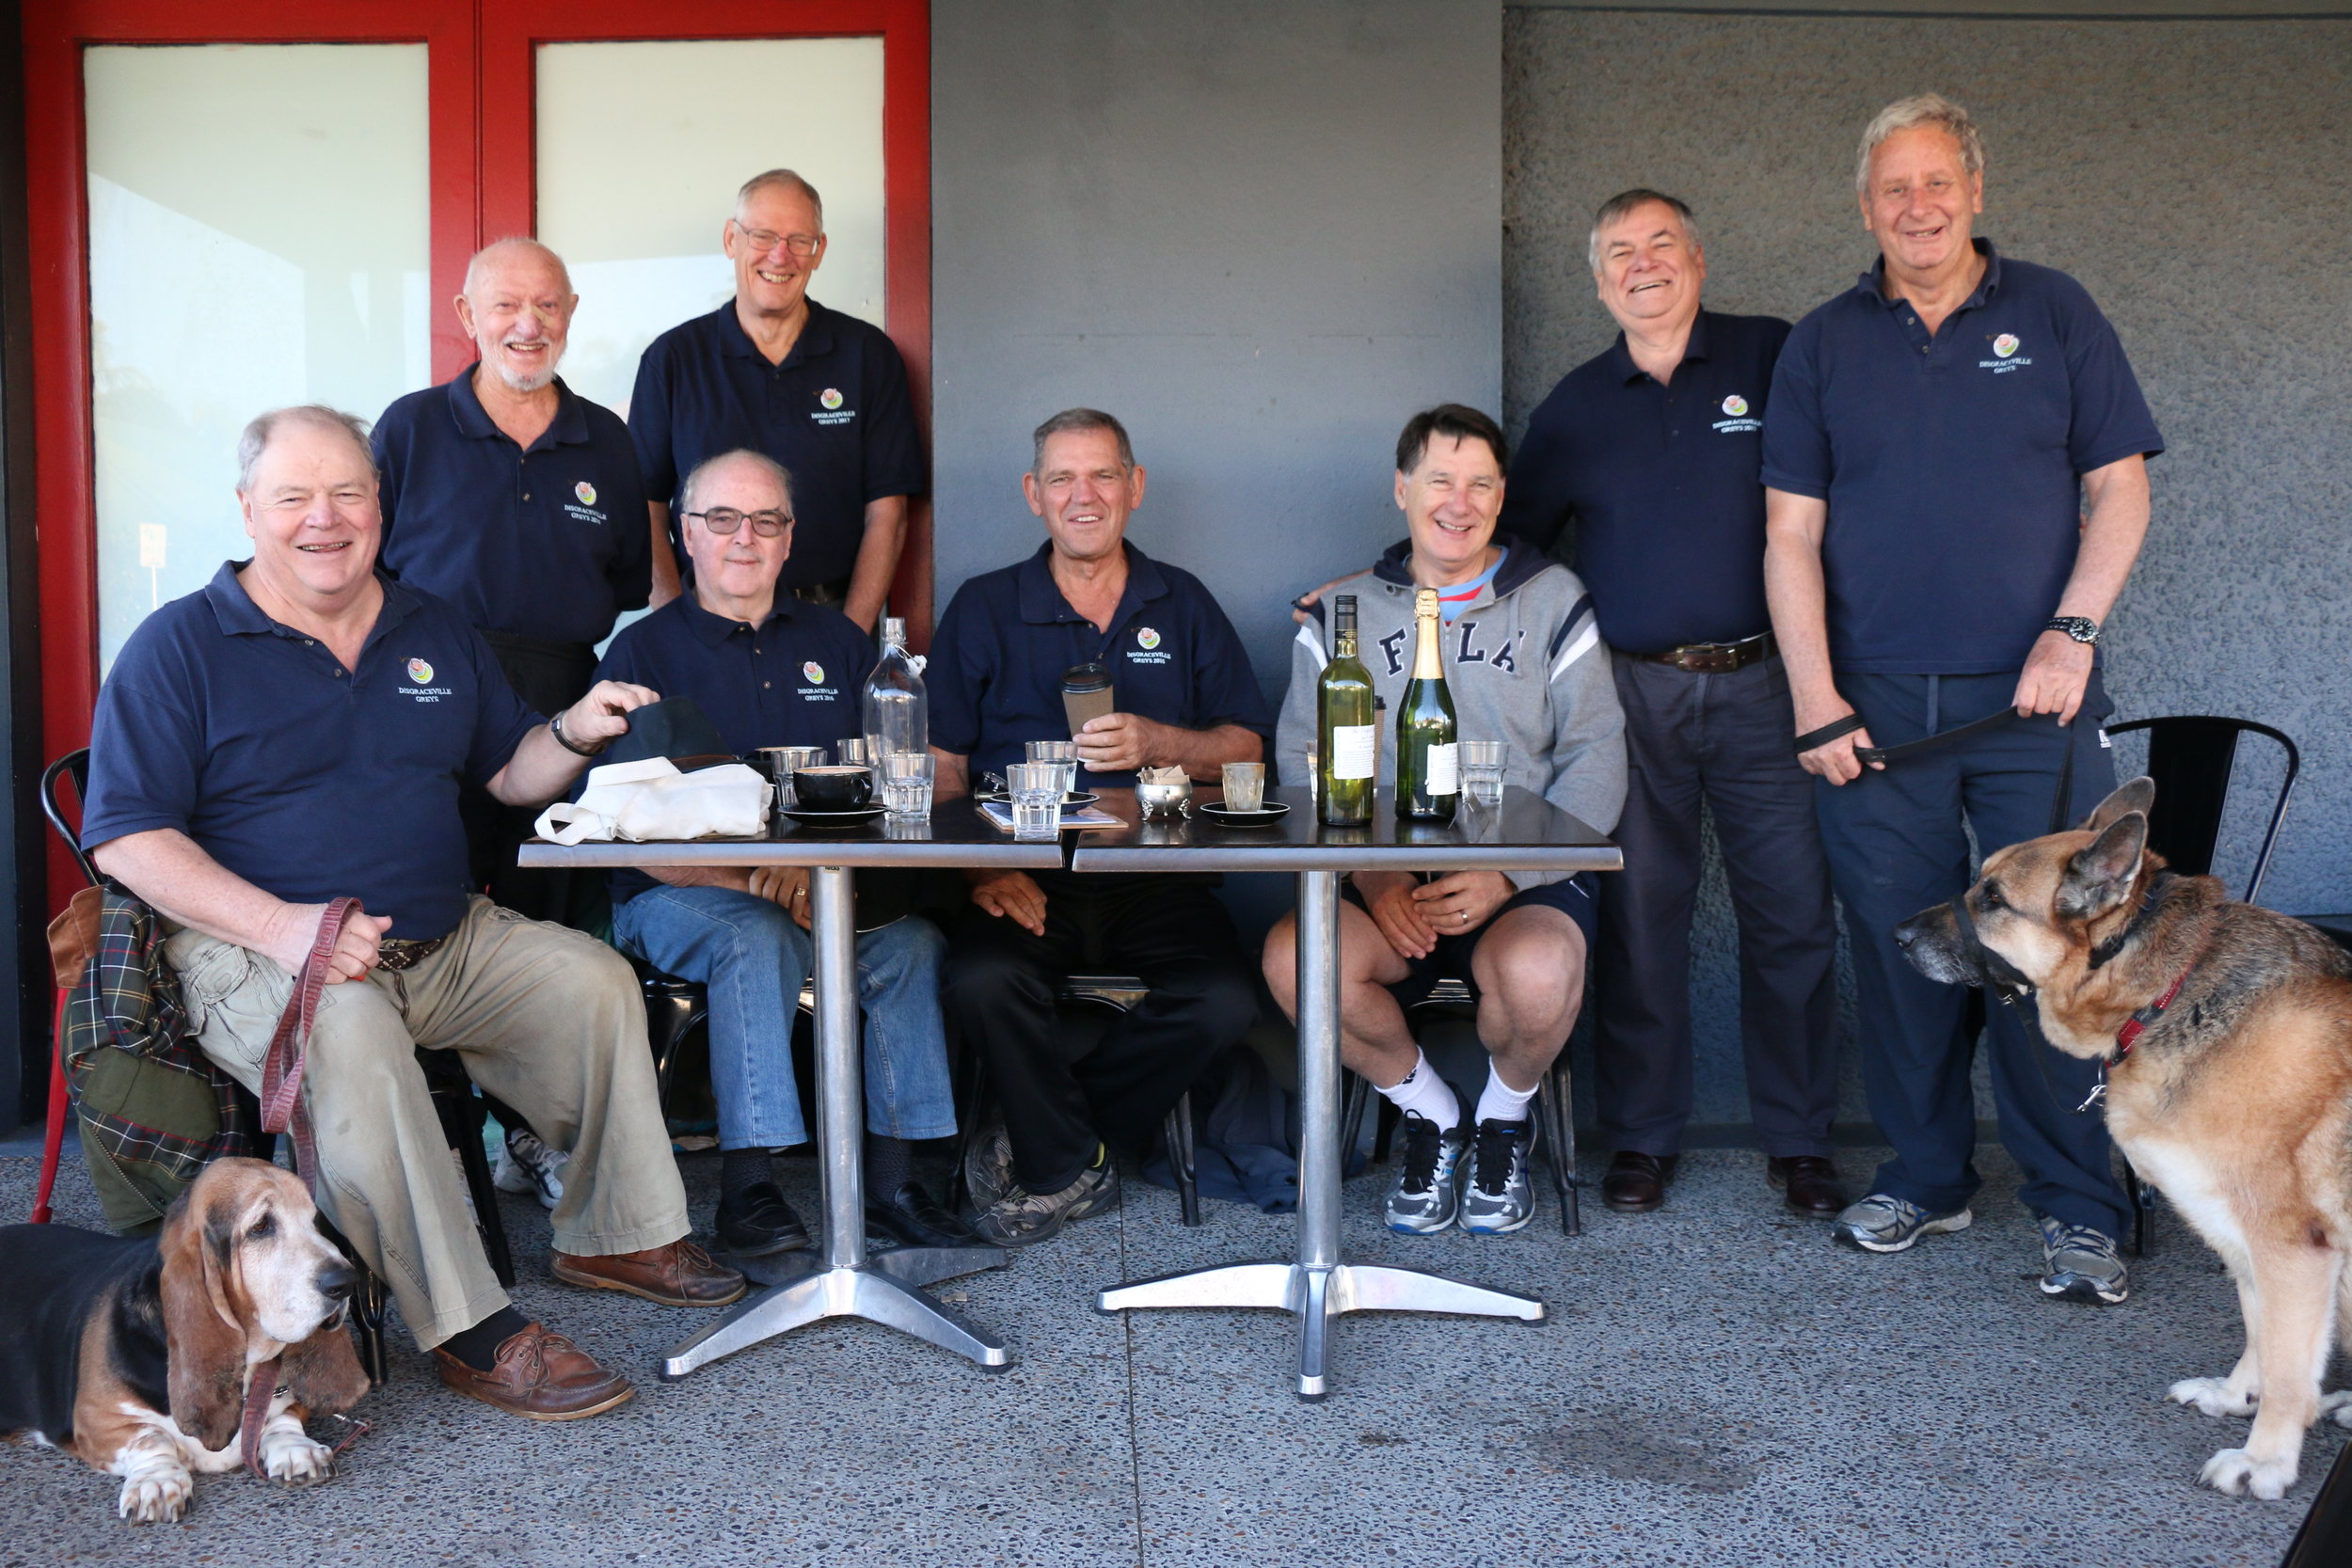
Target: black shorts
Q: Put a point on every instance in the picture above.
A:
(1450, 958)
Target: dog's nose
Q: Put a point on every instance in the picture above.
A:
(336, 1281)
(1905, 934)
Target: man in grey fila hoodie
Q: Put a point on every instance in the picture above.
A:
(1524, 662)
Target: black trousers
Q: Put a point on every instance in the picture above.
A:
(1001, 982)
(550, 677)
(1723, 740)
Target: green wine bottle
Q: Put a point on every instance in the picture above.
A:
(1348, 744)
(1428, 774)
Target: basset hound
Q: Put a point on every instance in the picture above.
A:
(196, 1351)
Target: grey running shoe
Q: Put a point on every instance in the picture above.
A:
(988, 1169)
(1881, 1223)
(1497, 1197)
(1424, 1200)
(525, 1165)
(1021, 1219)
(2081, 1264)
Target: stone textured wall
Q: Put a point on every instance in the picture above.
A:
(2190, 173)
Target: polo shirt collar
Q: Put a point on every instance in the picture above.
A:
(569, 428)
(1041, 600)
(239, 616)
(1621, 357)
(816, 335)
(1874, 282)
(711, 630)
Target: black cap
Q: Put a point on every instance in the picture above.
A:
(675, 728)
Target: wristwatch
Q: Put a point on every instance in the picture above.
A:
(2082, 629)
(556, 726)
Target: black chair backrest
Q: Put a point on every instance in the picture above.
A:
(75, 765)
(2191, 757)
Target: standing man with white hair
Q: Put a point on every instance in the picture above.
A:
(1649, 454)
(1956, 466)
(771, 371)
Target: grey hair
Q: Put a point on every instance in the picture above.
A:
(1624, 202)
(789, 180)
(264, 430)
(1071, 421)
(691, 492)
(1926, 109)
(488, 253)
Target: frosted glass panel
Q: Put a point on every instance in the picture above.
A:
(256, 237)
(641, 148)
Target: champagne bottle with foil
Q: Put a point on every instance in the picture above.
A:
(1428, 771)
(1347, 741)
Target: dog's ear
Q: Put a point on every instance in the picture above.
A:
(2137, 795)
(322, 1373)
(204, 1341)
(2098, 878)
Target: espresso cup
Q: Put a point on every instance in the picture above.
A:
(842, 787)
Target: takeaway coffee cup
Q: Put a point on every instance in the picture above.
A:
(842, 787)
(1086, 694)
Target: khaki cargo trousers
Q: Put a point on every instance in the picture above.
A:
(546, 1019)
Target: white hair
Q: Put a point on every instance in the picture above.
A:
(264, 429)
(1926, 109)
(785, 179)
(497, 250)
(689, 493)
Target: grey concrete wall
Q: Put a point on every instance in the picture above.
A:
(2184, 170)
(1260, 234)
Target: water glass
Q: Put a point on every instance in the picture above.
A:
(1036, 792)
(779, 762)
(853, 749)
(1483, 762)
(1245, 786)
(1314, 780)
(1063, 755)
(907, 783)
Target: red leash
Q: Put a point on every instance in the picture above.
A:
(290, 1047)
(60, 1103)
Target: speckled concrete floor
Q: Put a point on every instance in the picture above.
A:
(1718, 1386)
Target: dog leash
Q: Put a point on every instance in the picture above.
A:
(282, 1110)
(260, 1389)
(1838, 728)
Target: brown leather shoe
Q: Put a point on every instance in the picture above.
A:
(678, 1274)
(539, 1377)
(1636, 1183)
(1813, 1189)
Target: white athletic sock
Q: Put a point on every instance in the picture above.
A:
(1424, 1094)
(1499, 1101)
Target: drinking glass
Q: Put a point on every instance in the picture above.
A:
(1036, 792)
(853, 749)
(778, 763)
(1245, 786)
(1483, 762)
(1063, 755)
(907, 783)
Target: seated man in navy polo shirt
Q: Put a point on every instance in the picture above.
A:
(297, 733)
(1650, 452)
(1186, 698)
(769, 670)
(1957, 487)
(821, 393)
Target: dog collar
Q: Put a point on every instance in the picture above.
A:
(2150, 896)
(2140, 1021)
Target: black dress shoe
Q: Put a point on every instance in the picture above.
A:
(912, 1215)
(1812, 1182)
(1636, 1183)
(758, 1221)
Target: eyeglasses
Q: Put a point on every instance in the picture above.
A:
(725, 519)
(764, 240)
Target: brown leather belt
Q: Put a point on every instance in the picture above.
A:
(399, 953)
(1716, 658)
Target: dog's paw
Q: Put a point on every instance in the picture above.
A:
(155, 1497)
(292, 1458)
(2214, 1396)
(2337, 1406)
(2238, 1472)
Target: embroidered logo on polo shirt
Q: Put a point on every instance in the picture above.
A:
(814, 673)
(2004, 358)
(1737, 421)
(420, 672)
(421, 677)
(586, 492)
(1735, 406)
(582, 507)
(830, 397)
(1147, 638)
(1147, 649)
(2006, 344)
(829, 410)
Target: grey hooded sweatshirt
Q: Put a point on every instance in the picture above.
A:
(1524, 662)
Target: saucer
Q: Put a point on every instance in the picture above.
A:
(856, 817)
(1225, 816)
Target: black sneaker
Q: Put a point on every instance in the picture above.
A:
(1424, 1200)
(758, 1221)
(1499, 1197)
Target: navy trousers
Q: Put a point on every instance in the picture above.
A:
(1896, 844)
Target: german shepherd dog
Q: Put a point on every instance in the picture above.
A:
(2226, 1034)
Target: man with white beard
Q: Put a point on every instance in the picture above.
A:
(519, 503)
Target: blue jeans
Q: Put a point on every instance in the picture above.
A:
(752, 958)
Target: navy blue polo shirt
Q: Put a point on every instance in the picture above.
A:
(794, 680)
(1660, 484)
(1952, 466)
(996, 662)
(548, 542)
(836, 414)
(309, 780)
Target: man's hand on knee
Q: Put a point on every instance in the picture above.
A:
(785, 885)
(1013, 895)
(1462, 901)
(296, 929)
(1402, 921)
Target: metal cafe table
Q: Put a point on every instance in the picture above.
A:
(1523, 833)
(885, 1288)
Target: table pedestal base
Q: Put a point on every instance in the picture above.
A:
(885, 1288)
(1316, 1296)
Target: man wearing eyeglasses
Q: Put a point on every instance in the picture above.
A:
(774, 372)
(768, 670)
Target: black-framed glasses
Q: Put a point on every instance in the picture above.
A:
(726, 520)
(764, 240)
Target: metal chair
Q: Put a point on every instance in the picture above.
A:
(1555, 1113)
(674, 1008)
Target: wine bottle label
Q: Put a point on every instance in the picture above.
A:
(1354, 750)
(1445, 773)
